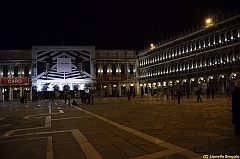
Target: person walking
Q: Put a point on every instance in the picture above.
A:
(167, 93)
(212, 92)
(117, 95)
(228, 92)
(91, 96)
(187, 92)
(69, 98)
(65, 98)
(99, 95)
(199, 93)
(179, 93)
(128, 94)
(82, 98)
(208, 92)
(236, 107)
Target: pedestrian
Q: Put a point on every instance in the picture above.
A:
(65, 98)
(85, 99)
(199, 93)
(187, 92)
(236, 107)
(175, 94)
(25, 98)
(69, 98)
(128, 94)
(212, 92)
(172, 93)
(88, 98)
(91, 96)
(167, 93)
(99, 95)
(82, 98)
(208, 92)
(142, 93)
(228, 92)
(179, 92)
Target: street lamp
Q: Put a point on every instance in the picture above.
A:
(208, 22)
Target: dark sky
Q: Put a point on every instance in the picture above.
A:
(106, 24)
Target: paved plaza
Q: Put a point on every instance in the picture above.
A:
(111, 128)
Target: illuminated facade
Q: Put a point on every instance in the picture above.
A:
(15, 74)
(58, 69)
(200, 57)
(116, 72)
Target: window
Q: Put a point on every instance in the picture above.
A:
(5, 71)
(131, 69)
(26, 71)
(113, 69)
(122, 69)
(15, 71)
(104, 69)
(96, 70)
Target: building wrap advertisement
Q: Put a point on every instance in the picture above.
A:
(59, 63)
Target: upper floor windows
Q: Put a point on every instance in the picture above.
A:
(26, 71)
(5, 71)
(15, 71)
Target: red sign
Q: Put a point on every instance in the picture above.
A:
(14, 81)
(114, 78)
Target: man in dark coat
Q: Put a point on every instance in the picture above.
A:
(236, 107)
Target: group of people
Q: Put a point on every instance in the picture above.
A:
(210, 91)
(86, 98)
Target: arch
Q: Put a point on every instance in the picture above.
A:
(221, 76)
(192, 80)
(234, 76)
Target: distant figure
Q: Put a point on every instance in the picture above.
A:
(212, 92)
(129, 94)
(208, 92)
(236, 107)
(199, 93)
(179, 93)
(99, 94)
(167, 93)
(69, 98)
(228, 92)
(117, 95)
(91, 96)
(187, 92)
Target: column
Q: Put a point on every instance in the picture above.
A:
(10, 93)
(30, 98)
(109, 89)
(1, 95)
(21, 91)
(119, 89)
(138, 88)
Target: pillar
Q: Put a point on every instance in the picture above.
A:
(10, 93)
(119, 89)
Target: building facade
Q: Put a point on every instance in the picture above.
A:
(116, 72)
(15, 74)
(61, 69)
(204, 56)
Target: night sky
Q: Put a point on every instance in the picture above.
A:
(105, 24)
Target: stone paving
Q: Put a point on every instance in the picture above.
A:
(143, 128)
